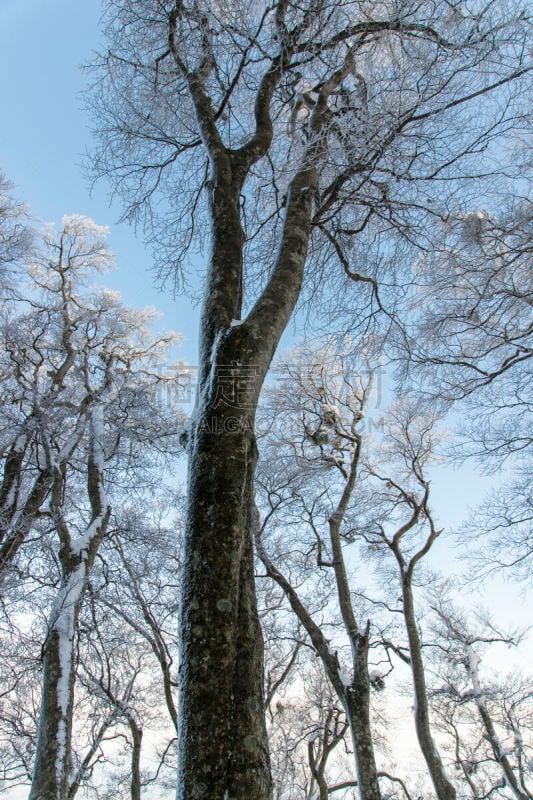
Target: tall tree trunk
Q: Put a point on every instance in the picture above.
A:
(250, 767)
(357, 707)
(137, 737)
(53, 752)
(444, 789)
(354, 694)
(223, 746)
(357, 694)
(51, 771)
(222, 738)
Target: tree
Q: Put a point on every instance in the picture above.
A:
(486, 717)
(292, 129)
(471, 350)
(307, 729)
(401, 521)
(16, 236)
(123, 738)
(43, 332)
(320, 468)
(141, 590)
(396, 479)
(137, 593)
(310, 453)
(81, 369)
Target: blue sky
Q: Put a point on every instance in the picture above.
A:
(44, 134)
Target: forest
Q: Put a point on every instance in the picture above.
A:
(273, 593)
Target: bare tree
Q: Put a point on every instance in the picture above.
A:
(121, 674)
(308, 729)
(400, 521)
(16, 235)
(140, 589)
(50, 346)
(82, 371)
(318, 465)
(487, 718)
(471, 347)
(115, 678)
(497, 533)
(19, 700)
(120, 691)
(311, 431)
(290, 129)
(133, 601)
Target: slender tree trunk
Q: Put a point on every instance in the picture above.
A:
(137, 737)
(155, 639)
(500, 756)
(357, 694)
(357, 707)
(443, 787)
(491, 734)
(317, 771)
(53, 752)
(354, 695)
(83, 768)
(51, 772)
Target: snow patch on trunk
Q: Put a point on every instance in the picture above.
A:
(345, 679)
(63, 624)
(10, 497)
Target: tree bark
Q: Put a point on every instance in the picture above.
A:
(357, 706)
(354, 696)
(443, 787)
(357, 694)
(223, 748)
(51, 771)
(53, 752)
(137, 737)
